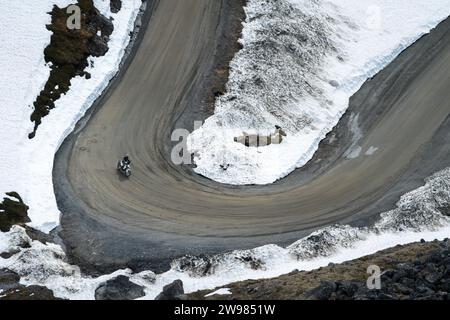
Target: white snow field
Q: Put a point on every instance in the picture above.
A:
(27, 164)
(302, 60)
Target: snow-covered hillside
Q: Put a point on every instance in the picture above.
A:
(27, 164)
(302, 60)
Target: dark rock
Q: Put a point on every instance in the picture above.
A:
(397, 275)
(434, 258)
(348, 288)
(445, 285)
(400, 288)
(406, 266)
(115, 5)
(446, 273)
(105, 25)
(173, 291)
(424, 291)
(389, 273)
(367, 295)
(251, 261)
(8, 279)
(200, 265)
(441, 295)
(406, 269)
(12, 212)
(252, 289)
(323, 292)
(419, 283)
(120, 288)
(446, 260)
(7, 255)
(433, 278)
(37, 235)
(98, 46)
(293, 272)
(28, 293)
(385, 296)
(334, 83)
(68, 53)
(445, 210)
(408, 282)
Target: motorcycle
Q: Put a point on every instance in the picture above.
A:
(124, 168)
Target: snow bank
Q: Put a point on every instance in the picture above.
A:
(27, 164)
(302, 60)
(416, 217)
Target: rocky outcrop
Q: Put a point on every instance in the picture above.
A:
(12, 211)
(424, 279)
(115, 5)
(28, 293)
(204, 265)
(68, 53)
(418, 271)
(173, 291)
(11, 289)
(8, 279)
(257, 140)
(119, 288)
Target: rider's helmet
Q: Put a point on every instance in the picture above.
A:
(126, 158)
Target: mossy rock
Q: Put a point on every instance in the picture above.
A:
(12, 212)
(68, 53)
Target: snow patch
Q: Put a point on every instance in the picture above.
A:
(13, 240)
(371, 151)
(220, 292)
(301, 62)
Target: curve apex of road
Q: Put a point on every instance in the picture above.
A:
(165, 211)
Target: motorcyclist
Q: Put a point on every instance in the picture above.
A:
(124, 166)
(126, 160)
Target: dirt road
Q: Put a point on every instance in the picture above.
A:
(164, 211)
